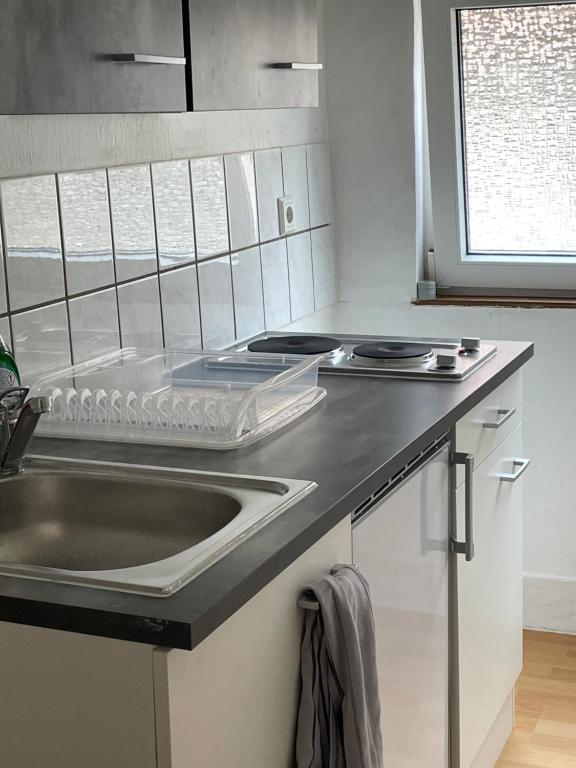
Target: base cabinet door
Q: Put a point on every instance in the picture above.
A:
(401, 547)
(233, 700)
(490, 598)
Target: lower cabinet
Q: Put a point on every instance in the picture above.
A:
(490, 598)
(233, 700)
(71, 700)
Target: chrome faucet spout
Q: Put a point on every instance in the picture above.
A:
(21, 433)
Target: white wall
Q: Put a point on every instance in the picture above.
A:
(368, 90)
(370, 111)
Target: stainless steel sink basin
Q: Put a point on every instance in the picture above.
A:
(130, 528)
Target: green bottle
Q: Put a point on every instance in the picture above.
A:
(9, 374)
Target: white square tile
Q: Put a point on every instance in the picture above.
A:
(241, 193)
(248, 298)
(300, 271)
(132, 221)
(319, 186)
(276, 286)
(140, 319)
(210, 211)
(324, 266)
(94, 324)
(33, 248)
(5, 331)
(296, 184)
(180, 308)
(86, 230)
(41, 341)
(173, 209)
(216, 304)
(269, 187)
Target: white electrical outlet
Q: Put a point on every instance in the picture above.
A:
(286, 215)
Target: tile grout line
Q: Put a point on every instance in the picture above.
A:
(4, 253)
(155, 221)
(148, 275)
(259, 246)
(113, 243)
(195, 262)
(229, 247)
(63, 263)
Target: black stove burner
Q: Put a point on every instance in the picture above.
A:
(391, 350)
(295, 345)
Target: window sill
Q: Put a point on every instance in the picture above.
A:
(529, 302)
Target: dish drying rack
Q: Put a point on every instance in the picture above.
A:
(201, 399)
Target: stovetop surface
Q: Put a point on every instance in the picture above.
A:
(343, 360)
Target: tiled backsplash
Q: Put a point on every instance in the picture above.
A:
(181, 253)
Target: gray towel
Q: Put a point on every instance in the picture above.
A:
(339, 714)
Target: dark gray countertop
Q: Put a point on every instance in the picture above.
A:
(355, 440)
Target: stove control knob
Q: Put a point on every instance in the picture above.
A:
(446, 361)
(470, 344)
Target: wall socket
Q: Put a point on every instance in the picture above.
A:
(286, 215)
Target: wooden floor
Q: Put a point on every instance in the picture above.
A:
(545, 732)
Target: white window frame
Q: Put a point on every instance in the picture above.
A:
(456, 270)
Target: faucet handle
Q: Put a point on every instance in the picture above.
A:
(13, 452)
(13, 399)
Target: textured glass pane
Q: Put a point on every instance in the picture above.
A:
(519, 99)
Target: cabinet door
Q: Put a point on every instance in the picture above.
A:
(402, 550)
(59, 56)
(234, 44)
(490, 598)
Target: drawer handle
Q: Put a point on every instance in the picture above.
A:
(520, 465)
(146, 58)
(503, 415)
(466, 547)
(297, 65)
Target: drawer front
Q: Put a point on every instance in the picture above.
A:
(490, 596)
(487, 426)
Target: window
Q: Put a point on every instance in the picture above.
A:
(501, 101)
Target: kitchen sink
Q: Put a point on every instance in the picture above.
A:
(129, 528)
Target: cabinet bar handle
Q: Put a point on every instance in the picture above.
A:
(520, 465)
(297, 65)
(503, 414)
(147, 58)
(466, 547)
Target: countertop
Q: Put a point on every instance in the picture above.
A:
(351, 444)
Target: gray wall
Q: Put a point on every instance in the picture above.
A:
(46, 144)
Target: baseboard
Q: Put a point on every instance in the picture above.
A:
(550, 603)
(497, 737)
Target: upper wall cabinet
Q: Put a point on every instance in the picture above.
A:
(89, 56)
(253, 54)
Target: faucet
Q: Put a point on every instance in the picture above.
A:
(18, 420)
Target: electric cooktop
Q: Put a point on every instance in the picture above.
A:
(394, 356)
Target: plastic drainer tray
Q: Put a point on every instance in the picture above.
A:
(197, 398)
